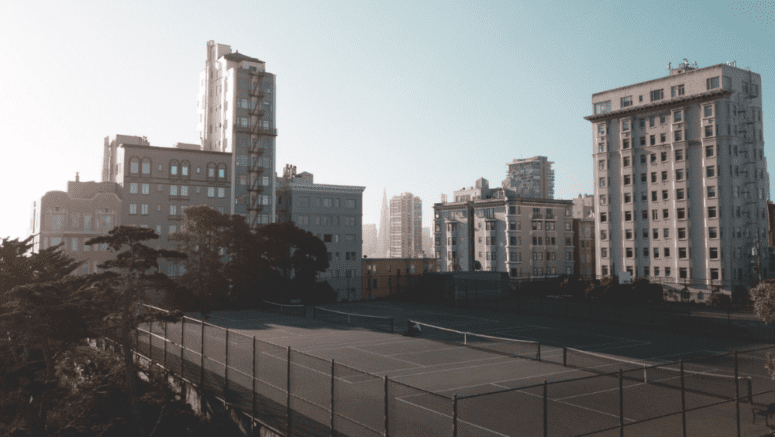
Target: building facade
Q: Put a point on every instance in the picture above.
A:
(584, 236)
(531, 177)
(405, 226)
(333, 213)
(680, 177)
(156, 184)
(383, 238)
(236, 107)
(370, 240)
(84, 211)
(385, 276)
(528, 238)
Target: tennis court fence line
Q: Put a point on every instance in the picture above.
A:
(297, 394)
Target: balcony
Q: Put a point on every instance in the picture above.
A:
(537, 215)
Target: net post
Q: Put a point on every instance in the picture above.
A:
(182, 343)
(164, 356)
(737, 395)
(621, 403)
(226, 371)
(749, 383)
(683, 399)
(454, 415)
(385, 382)
(288, 394)
(253, 391)
(465, 338)
(202, 358)
(645, 374)
(333, 366)
(546, 414)
(539, 351)
(564, 356)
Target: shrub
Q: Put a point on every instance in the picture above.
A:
(720, 300)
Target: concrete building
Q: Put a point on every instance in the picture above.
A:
(584, 236)
(370, 240)
(528, 238)
(405, 226)
(385, 276)
(333, 213)
(531, 178)
(681, 180)
(427, 242)
(236, 108)
(84, 211)
(157, 183)
(383, 239)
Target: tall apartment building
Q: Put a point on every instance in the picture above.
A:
(504, 233)
(531, 177)
(333, 213)
(383, 238)
(156, 184)
(405, 226)
(681, 180)
(236, 109)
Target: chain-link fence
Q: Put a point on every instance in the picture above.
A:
(296, 394)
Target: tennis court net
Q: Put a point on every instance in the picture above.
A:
(291, 310)
(487, 343)
(706, 382)
(363, 320)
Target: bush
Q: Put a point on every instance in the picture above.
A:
(720, 300)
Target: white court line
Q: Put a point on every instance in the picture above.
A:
(332, 347)
(506, 360)
(495, 383)
(578, 406)
(384, 356)
(403, 399)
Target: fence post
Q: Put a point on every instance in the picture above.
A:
(737, 395)
(564, 356)
(226, 371)
(683, 399)
(621, 404)
(454, 415)
(333, 366)
(182, 344)
(253, 392)
(164, 355)
(539, 351)
(749, 387)
(385, 382)
(288, 395)
(202, 358)
(546, 415)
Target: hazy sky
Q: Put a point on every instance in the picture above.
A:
(415, 96)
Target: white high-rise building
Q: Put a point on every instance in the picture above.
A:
(681, 181)
(236, 109)
(405, 226)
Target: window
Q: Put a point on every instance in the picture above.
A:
(627, 197)
(221, 192)
(144, 209)
(625, 125)
(679, 194)
(664, 195)
(679, 175)
(662, 119)
(601, 164)
(628, 234)
(146, 188)
(712, 232)
(603, 107)
(677, 135)
(665, 214)
(222, 172)
(664, 176)
(173, 168)
(656, 95)
(652, 121)
(628, 216)
(601, 147)
(656, 254)
(626, 101)
(184, 169)
(210, 192)
(133, 208)
(707, 111)
(711, 212)
(629, 252)
(709, 131)
(567, 226)
(643, 143)
(654, 214)
(146, 166)
(133, 188)
(681, 253)
(603, 252)
(666, 233)
(602, 182)
(173, 210)
(644, 214)
(655, 233)
(603, 235)
(711, 191)
(662, 139)
(653, 196)
(173, 190)
(627, 179)
(677, 90)
(713, 252)
(679, 154)
(710, 171)
(712, 83)
(134, 166)
(184, 191)
(709, 151)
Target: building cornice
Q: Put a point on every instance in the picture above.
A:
(175, 150)
(322, 188)
(662, 104)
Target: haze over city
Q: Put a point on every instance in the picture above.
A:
(424, 97)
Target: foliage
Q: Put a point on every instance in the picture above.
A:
(763, 297)
(720, 300)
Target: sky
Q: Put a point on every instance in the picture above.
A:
(403, 96)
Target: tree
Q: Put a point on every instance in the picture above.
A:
(297, 254)
(763, 297)
(134, 273)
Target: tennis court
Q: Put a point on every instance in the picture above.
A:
(501, 386)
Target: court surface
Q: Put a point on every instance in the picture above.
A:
(447, 369)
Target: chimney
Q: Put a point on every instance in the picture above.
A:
(76, 177)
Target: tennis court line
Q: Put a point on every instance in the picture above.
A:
(505, 360)
(635, 384)
(384, 356)
(403, 399)
(332, 347)
(495, 383)
(577, 406)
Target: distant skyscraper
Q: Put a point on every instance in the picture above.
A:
(427, 241)
(405, 226)
(370, 240)
(383, 240)
(236, 109)
(531, 177)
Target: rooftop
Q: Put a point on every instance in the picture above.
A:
(239, 57)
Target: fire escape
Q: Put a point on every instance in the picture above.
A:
(750, 188)
(260, 126)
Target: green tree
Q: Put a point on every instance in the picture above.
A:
(763, 298)
(134, 273)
